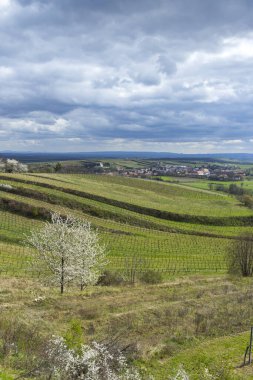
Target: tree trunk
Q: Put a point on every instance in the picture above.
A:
(62, 275)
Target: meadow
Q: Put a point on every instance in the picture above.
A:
(183, 233)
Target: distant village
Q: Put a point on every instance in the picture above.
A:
(212, 172)
(157, 170)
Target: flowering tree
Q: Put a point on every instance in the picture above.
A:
(69, 249)
(91, 256)
(95, 362)
(12, 166)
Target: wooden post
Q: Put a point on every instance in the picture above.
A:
(245, 357)
(248, 351)
(250, 345)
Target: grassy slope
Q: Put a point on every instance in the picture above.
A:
(205, 184)
(130, 215)
(161, 250)
(169, 252)
(191, 320)
(128, 233)
(172, 198)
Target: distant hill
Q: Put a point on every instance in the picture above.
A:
(61, 156)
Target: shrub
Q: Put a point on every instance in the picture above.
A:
(96, 361)
(74, 336)
(110, 278)
(180, 375)
(151, 277)
(20, 342)
(240, 256)
(247, 200)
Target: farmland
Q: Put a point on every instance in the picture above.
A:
(181, 231)
(166, 244)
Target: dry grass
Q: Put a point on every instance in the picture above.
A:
(158, 321)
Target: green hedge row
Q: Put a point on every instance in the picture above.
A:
(24, 209)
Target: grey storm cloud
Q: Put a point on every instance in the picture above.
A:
(95, 74)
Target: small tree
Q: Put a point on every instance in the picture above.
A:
(133, 266)
(247, 200)
(14, 166)
(69, 249)
(58, 167)
(240, 255)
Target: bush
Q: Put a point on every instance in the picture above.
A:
(21, 342)
(247, 200)
(240, 256)
(151, 277)
(110, 278)
(95, 361)
(74, 335)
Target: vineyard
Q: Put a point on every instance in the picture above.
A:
(194, 313)
(144, 225)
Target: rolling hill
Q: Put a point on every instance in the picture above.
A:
(179, 231)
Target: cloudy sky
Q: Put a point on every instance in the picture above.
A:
(142, 75)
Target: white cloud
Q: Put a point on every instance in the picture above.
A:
(232, 142)
(6, 72)
(142, 74)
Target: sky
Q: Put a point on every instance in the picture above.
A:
(130, 75)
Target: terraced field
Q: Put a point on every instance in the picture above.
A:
(197, 317)
(168, 227)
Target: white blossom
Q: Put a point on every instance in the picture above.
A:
(39, 299)
(69, 249)
(5, 186)
(95, 362)
(12, 165)
(60, 358)
(181, 375)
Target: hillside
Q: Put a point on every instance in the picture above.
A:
(182, 230)
(183, 233)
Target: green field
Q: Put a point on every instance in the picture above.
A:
(165, 245)
(182, 231)
(205, 184)
(167, 197)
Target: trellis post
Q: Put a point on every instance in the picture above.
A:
(248, 351)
